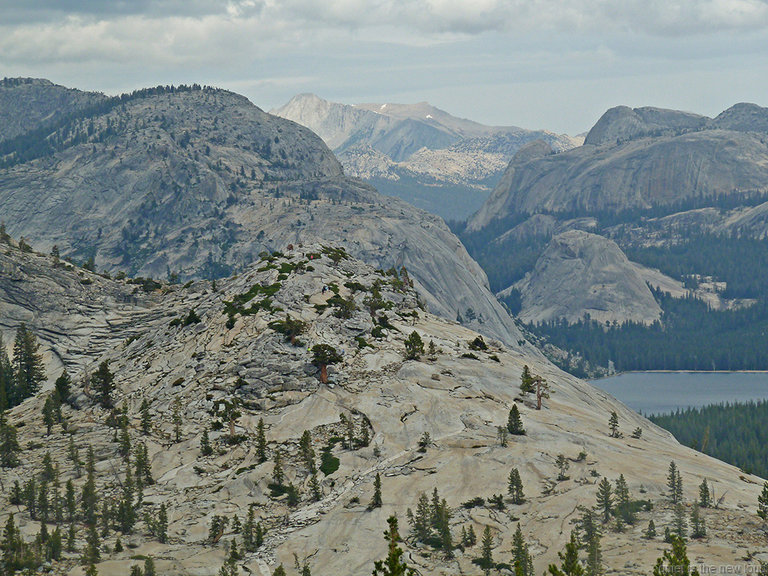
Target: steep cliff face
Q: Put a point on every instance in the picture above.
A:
(198, 182)
(458, 394)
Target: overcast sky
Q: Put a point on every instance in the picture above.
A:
(554, 64)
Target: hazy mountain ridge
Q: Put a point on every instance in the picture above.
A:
(420, 150)
(458, 399)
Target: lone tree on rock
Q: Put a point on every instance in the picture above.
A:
(613, 424)
(526, 380)
(514, 422)
(542, 390)
(103, 382)
(323, 356)
(414, 346)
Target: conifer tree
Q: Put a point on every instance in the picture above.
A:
(570, 560)
(521, 557)
(590, 534)
(674, 484)
(376, 501)
(681, 522)
(414, 346)
(49, 418)
(307, 453)
(650, 532)
(613, 424)
(514, 422)
(7, 390)
(9, 443)
(161, 530)
(27, 363)
(515, 487)
(277, 472)
(675, 561)
(526, 381)
(487, 551)
(63, 387)
(698, 525)
(562, 467)
(205, 444)
(605, 499)
(393, 565)
(762, 503)
(88, 498)
(146, 417)
(705, 497)
(314, 488)
(261, 442)
(541, 387)
(323, 355)
(103, 382)
(177, 421)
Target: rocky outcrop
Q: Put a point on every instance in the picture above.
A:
(583, 274)
(199, 182)
(459, 395)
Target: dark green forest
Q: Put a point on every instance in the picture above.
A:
(735, 433)
(690, 336)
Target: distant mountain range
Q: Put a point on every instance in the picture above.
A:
(443, 164)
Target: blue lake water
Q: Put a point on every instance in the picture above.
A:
(661, 392)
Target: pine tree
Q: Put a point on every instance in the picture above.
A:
(514, 422)
(393, 565)
(161, 527)
(487, 551)
(680, 520)
(526, 381)
(314, 488)
(521, 557)
(89, 498)
(674, 483)
(762, 503)
(261, 442)
(705, 497)
(376, 500)
(421, 521)
(515, 487)
(27, 365)
(624, 510)
(7, 390)
(605, 499)
(590, 535)
(63, 387)
(48, 415)
(562, 467)
(675, 561)
(146, 417)
(570, 560)
(650, 532)
(698, 525)
(9, 443)
(306, 452)
(414, 346)
(103, 382)
(542, 390)
(613, 424)
(277, 472)
(323, 355)
(205, 444)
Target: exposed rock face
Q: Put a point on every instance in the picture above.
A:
(458, 400)
(638, 159)
(417, 152)
(582, 273)
(199, 182)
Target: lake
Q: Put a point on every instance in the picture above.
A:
(662, 392)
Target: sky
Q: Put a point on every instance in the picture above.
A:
(551, 64)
